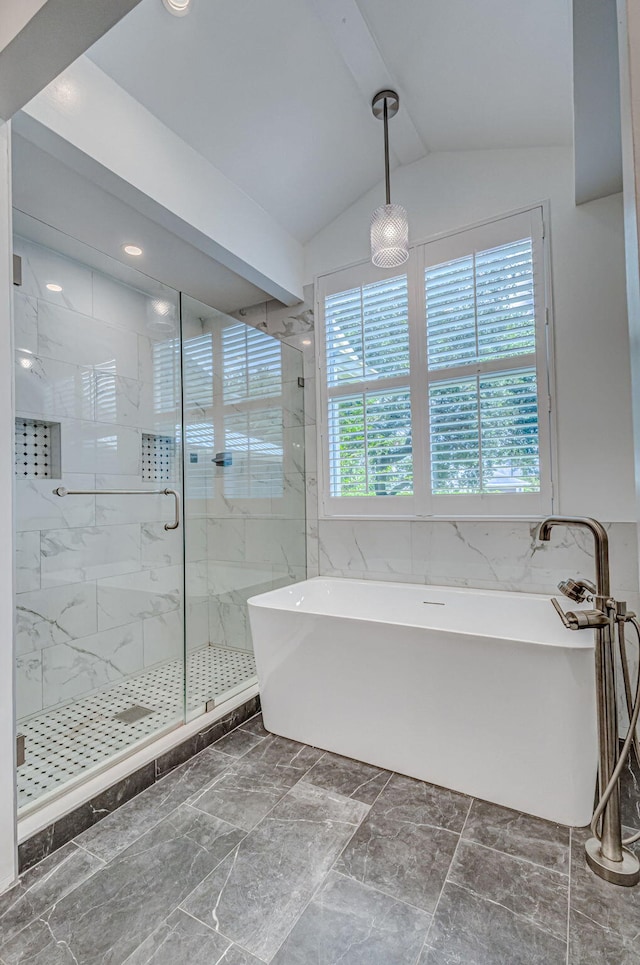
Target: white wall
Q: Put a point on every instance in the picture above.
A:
(7, 732)
(593, 398)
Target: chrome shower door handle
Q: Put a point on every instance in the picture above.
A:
(61, 491)
(176, 496)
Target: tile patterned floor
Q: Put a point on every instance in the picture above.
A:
(261, 850)
(64, 742)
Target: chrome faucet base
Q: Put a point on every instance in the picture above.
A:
(625, 872)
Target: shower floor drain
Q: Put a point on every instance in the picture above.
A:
(64, 741)
(133, 714)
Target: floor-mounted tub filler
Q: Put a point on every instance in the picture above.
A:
(480, 691)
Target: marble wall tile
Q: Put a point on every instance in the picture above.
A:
(82, 340)
(52, 389)
(38, 508)
(293, 408)
(130, 509)
(100, 448)
(163, 637)
(197, 624)
(40, 266)
(85, 665)
(138, 596)
(27, 561)
(294, 454)
(85, 554)
(229, 625)
(55, 615)
(195, 536)
(235, 582)
(353, 547)
(25, 323)
(226, 538)
(280, 541)
(491, 554)
(29, 695)
(160, 546)
(133, 310)
(124, 402)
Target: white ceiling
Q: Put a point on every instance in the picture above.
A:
(260, 88)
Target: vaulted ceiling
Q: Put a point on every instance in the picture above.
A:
(275, 93)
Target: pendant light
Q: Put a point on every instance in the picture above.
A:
(389, 224)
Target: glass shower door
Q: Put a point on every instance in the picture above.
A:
(100, 631)
(245, 519)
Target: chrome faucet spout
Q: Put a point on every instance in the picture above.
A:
(601, 544)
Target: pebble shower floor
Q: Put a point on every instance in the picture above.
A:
(62, 742)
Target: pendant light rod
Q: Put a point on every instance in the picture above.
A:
(387, 176)
(384, 106)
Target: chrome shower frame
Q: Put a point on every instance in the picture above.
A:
(605, 852)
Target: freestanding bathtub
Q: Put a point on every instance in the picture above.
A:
(480, 691)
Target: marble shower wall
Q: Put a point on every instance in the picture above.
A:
(245, 521)
(295, 327)
(99, 580)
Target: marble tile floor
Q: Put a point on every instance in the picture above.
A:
(63, 742)
(262, 850)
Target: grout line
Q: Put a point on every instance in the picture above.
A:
(379, 891)
(446, 878)
(517, 857)
(569, 894)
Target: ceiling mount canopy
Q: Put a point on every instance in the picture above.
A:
(389, 223)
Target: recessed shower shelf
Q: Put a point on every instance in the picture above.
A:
(37, 449)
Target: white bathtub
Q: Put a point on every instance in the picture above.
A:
(480, 691)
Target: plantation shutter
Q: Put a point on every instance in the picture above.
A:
(369, 399)
(435, 382)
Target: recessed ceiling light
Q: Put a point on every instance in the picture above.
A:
(26, 363)
(306, 341)
(177, 7)
(53, 287)
(132, 250)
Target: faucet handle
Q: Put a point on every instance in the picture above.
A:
(568, 619)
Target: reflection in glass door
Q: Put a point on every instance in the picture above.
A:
(100, 631)
(244, 491)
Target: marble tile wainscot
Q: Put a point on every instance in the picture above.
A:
(50, 839)
(332, 861)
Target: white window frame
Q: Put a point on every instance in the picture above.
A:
(529, 222)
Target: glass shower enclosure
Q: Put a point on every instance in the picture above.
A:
(159, 483)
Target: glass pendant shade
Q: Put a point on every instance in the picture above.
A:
(389, 236)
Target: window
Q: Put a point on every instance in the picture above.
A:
(435, 388)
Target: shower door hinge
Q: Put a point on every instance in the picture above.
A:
(300, 382)
(17, 270)
(19, 750)
(209, 706)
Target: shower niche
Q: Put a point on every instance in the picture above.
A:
(37, 449)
